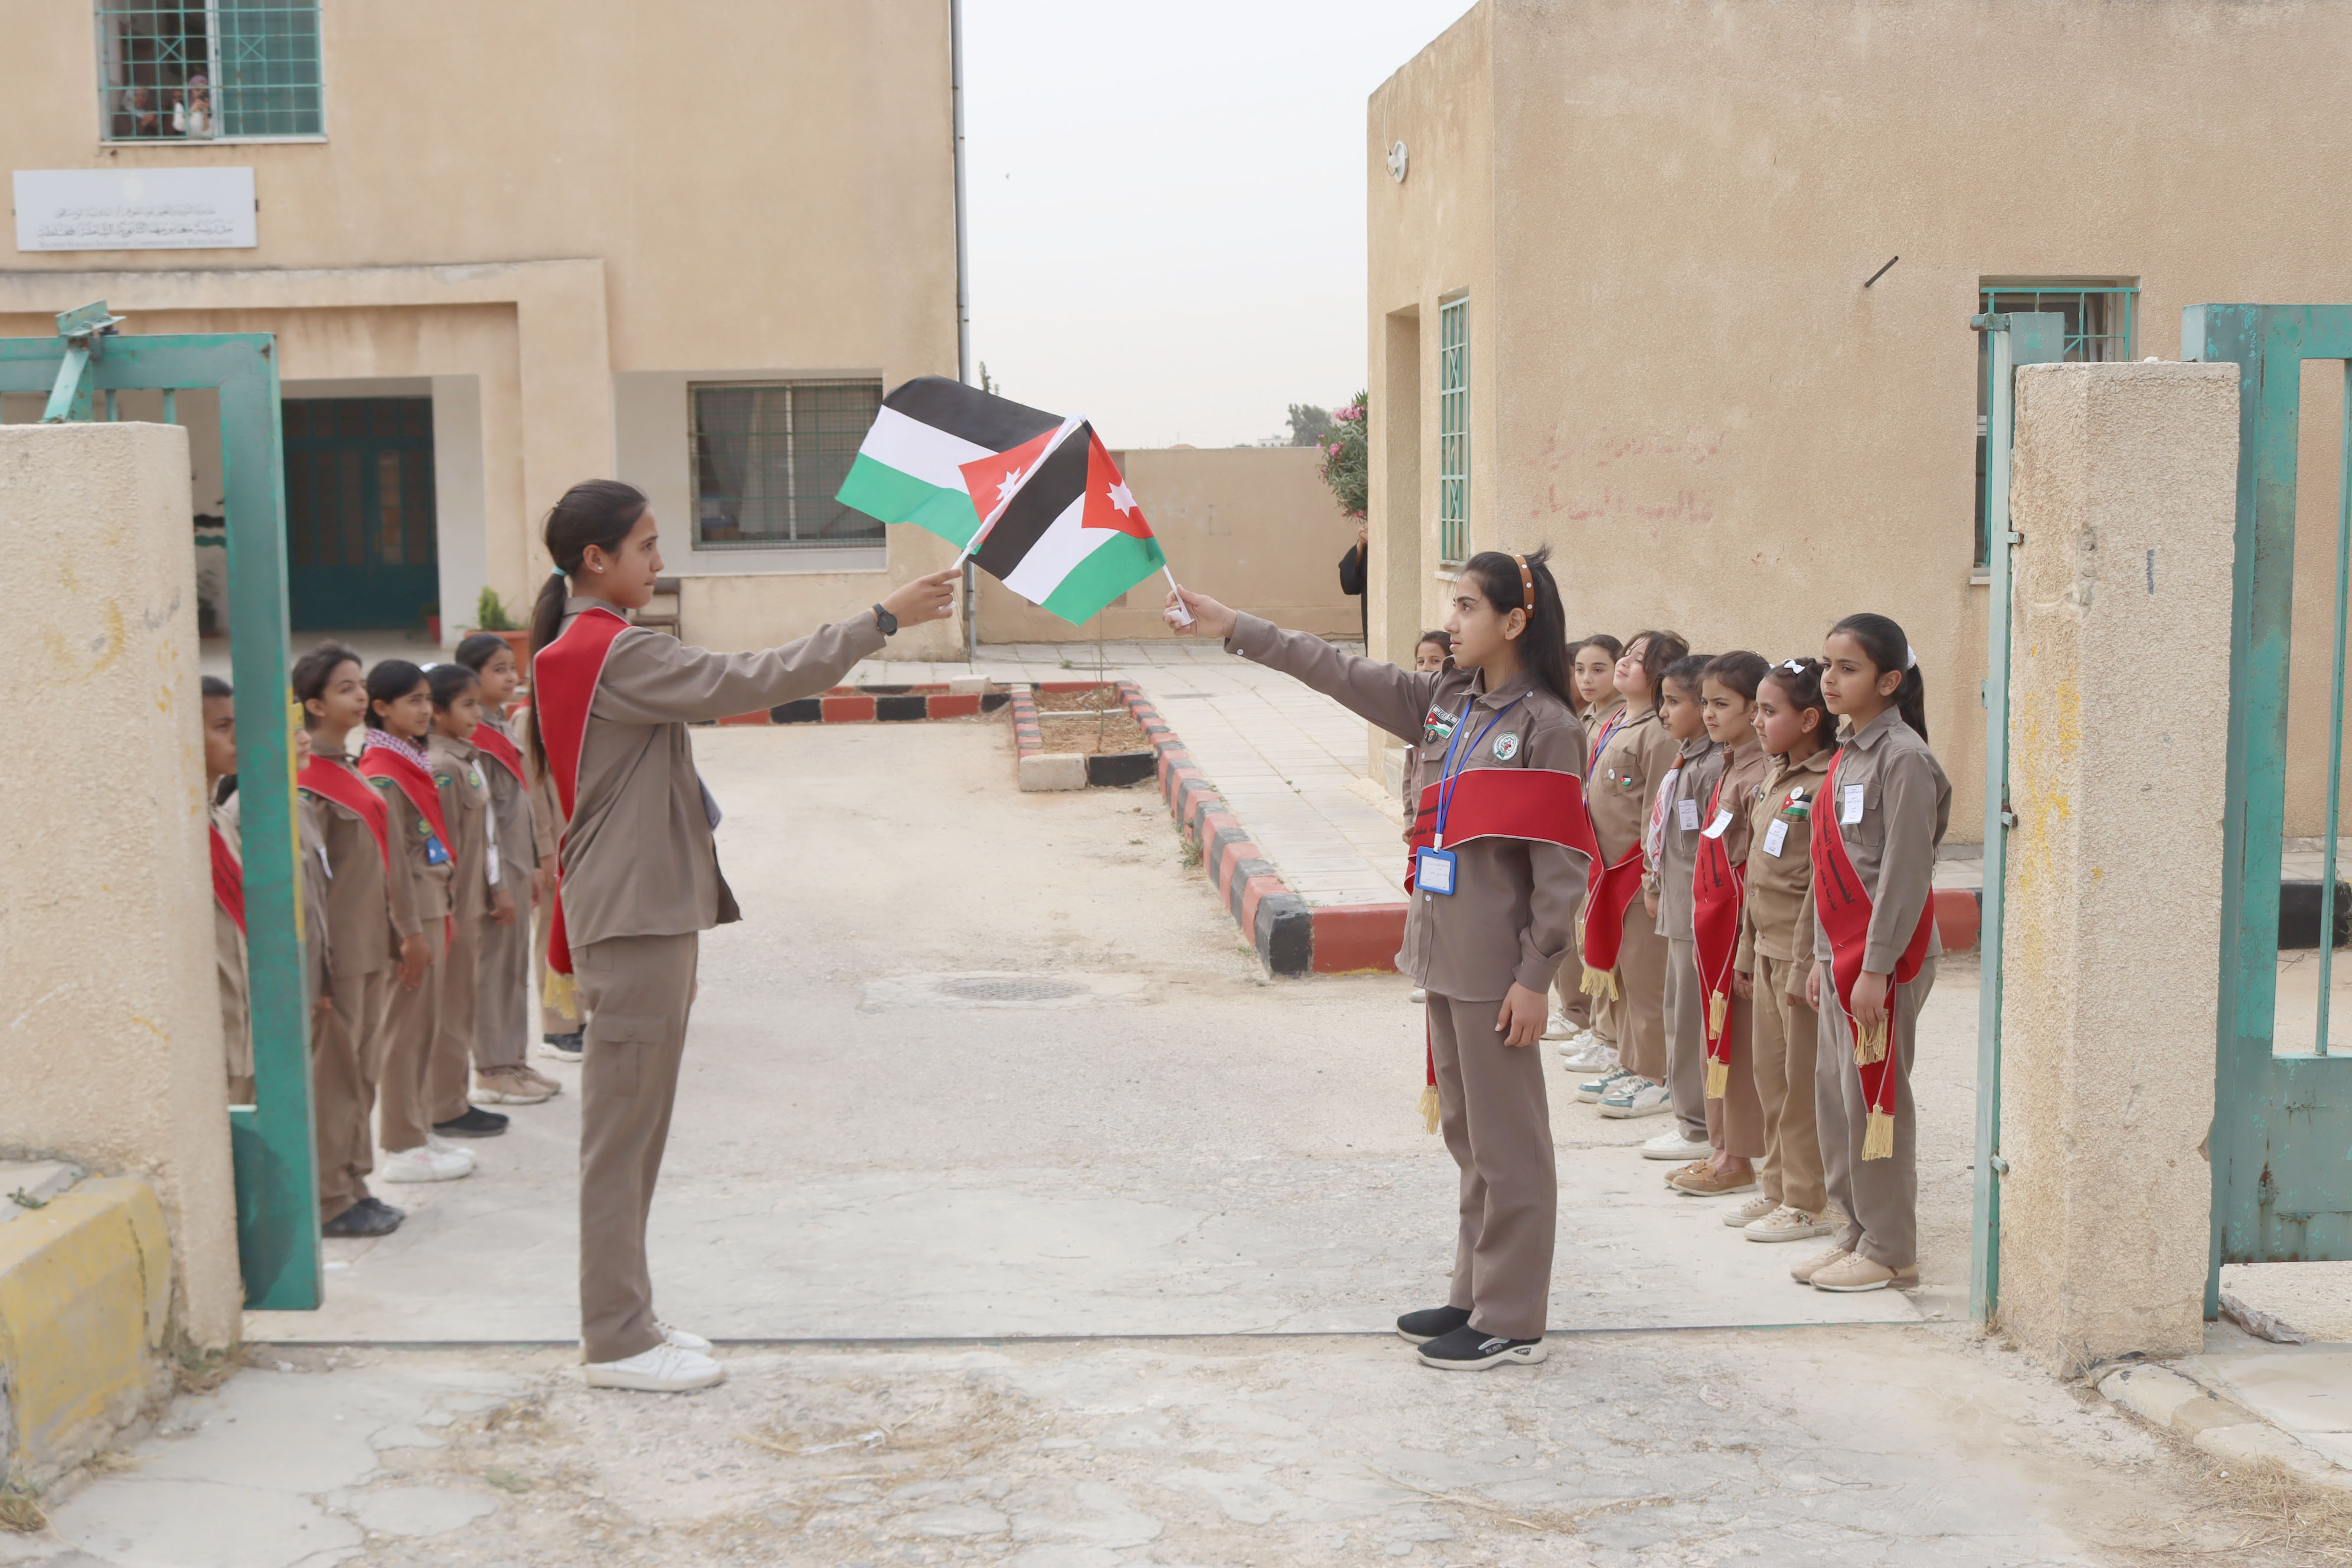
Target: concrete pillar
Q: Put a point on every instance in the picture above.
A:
(109, 1022)
(2126, 492)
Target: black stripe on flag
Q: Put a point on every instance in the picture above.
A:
(980, 418)
(1059, 480)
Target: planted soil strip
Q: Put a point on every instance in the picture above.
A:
(1093, 733)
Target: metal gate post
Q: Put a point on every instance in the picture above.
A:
(2039, 337)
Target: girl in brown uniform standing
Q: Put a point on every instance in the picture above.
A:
(1498, 873)
(638, 872)
(477, 901)
(502, 968)
(1673, 850)
(1592, 1046)
(1885, 806)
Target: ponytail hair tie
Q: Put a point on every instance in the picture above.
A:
(558, 571)
(1911, 662)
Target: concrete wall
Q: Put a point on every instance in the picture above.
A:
(2126, 492)
(111, 1053)
(1678, 378)
(545, 197)
(1252, 526)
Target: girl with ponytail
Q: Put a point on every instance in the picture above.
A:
(638, 876)
(1883, 808)
(1501, 846)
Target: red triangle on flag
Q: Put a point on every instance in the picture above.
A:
(1109, 503)
(993, 479)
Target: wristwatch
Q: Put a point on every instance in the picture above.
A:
(887, 621)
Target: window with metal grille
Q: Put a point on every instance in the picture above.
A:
(190, 71)
(1454, 431)
(2100, 320)
(768, 457)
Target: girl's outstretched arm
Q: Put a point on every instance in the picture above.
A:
(1395, 700)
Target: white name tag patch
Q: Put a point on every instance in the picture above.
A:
(1850, 811)
(1776, 835)
(1686, 812)
(1714, 829)
(1434, 872)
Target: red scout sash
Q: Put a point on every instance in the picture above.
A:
(1609, 894)
(228, 879)
(337, 782)
(396, 767)
(492, 741)
(1717, 890)
(1845, 909)
(563, 677)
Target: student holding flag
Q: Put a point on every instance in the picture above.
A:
(1502, 843)
(638, 876)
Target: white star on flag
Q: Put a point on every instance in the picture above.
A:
(1008, 484)
(1121, 496)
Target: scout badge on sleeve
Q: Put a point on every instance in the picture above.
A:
(1717, 887)
(1844, 908)
(563, 677)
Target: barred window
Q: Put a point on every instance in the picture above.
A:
(190, 71)
(768, 457)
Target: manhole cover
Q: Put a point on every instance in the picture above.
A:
(997, 990)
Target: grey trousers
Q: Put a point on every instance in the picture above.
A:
(502, 992)
(347, 1045)
(1880, 1197)
(1686, 1020)
(639, 991)
(1492, 1108)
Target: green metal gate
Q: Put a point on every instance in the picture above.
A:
(2281, 1142)
(83, 369)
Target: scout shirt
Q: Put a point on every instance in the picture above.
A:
(1899, 816)
(1777, 921)
(638, 857)
(428, 885)
(228, 955)
(458, 772)
(368, 914)
(311, 843)
(1515, 917)
(1701, 764)
(512, 814)
(1624, 781)
(1595, 717)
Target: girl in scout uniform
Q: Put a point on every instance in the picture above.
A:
(374, 942)
(1735, 1116)
(392, 756)
(1624, 956)
(1429, 654)
(1793, 726)
(638, 876)
(475, 898)
(1884, 805)
(1589, 1041)
(1502, 842)
(503, 966)
(1671, 852)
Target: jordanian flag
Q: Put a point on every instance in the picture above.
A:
(1056, 523)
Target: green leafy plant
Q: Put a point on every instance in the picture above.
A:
(490, 613)
(1346, 460)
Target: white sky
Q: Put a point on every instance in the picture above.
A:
(1167, 205)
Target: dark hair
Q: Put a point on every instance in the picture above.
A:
(448, 682)
(213, 686)
(1615, 649)
(314, 670)
(1659, 651)
(1883, 644)
(1441, 636)
(1544, 643)
(1739, 669)
(595, 512)
(481, 648)
(1800, 681)
(389, 681)
(1685, 672)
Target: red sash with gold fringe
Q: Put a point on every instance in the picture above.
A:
(1717, 890)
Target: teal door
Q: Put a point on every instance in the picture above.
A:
(359, 512)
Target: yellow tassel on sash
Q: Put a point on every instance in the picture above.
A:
(1870, 1044)
(1717, 1004)
(1429, 1108)
(1601, 982)
(562, 994)
(1718, 1079)
(1878, 1137)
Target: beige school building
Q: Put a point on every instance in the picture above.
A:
(1621, 298)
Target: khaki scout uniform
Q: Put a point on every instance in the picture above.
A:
(1775, 946)
(1735, 1123)
(1511, 922)
(462, 774)
(310, 843)
(1577, 1005)
(411, 1094)
(641, 881)
(1906, 803)
(547, 832)
(1624, 783)
(228, 965)
(1697, 765)
(502, 987)
(367, 915)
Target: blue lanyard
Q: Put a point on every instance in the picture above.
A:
(1448, 772)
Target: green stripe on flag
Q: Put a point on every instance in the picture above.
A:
(1111, 570)
(894, 496)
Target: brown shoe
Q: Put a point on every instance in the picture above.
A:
(1803, 1271)
(1707, 1183)
(508, 1086)
(1693, 1168)
(1854, 1272)
(554, 1086)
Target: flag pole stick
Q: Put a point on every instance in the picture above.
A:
(1186, 614)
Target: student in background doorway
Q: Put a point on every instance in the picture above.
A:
(228, 885)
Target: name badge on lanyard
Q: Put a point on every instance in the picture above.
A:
(1434, 868)
(1433, 872)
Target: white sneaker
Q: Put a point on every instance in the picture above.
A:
(1558, 1028)
(1586, 1054)
(1785, 1223)
(1671, 1144)
(1749, 1213)
(1419, 997)
(426, 1165)
(664, 1368)
(440, 1146)
(1644, 1098)
(682, 1340)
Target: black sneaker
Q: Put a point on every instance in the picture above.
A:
(1430, 1323)
(365, 1218)
(1468, 1349)
(562, 1047)
(476, 1123)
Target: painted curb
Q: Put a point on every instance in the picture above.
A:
(85, 1297)
(874, 705)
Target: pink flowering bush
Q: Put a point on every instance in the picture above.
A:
(1345, 461)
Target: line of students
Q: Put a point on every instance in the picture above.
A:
(422, 854)
(1636, 829)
